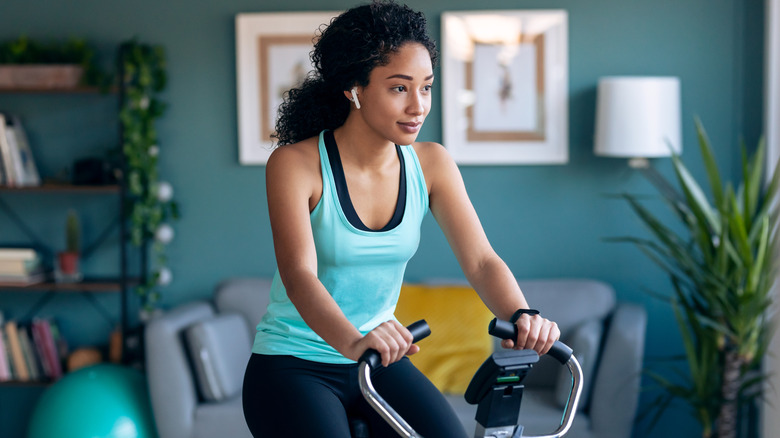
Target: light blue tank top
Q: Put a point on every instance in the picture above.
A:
(362, 270)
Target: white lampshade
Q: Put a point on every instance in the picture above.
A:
(638, 117)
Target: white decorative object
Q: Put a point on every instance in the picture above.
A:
(164, 191)
(272, 56)
(505, 86)
(638, 117)
(164, 234)
(165, 276)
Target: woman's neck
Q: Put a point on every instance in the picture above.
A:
(363, 147)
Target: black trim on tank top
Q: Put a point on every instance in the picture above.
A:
(343, 193)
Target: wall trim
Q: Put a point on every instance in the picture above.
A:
(771, 408)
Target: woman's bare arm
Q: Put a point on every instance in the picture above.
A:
(483, 268)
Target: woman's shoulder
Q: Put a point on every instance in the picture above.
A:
(432, 155)
(295, 162)
(305, 152)
(430, 151)
(436, 162)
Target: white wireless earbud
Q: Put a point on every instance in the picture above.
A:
(355, 98)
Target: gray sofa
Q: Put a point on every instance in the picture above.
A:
(196, 354)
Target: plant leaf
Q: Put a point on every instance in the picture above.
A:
(709, 164)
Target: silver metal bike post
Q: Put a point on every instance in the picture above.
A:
(574, 399)
(381, 406)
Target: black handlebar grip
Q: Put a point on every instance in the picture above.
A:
(502, 329)
(560, 352)
(506, 330)
(420, 330)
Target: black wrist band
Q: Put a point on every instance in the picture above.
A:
(521, 312)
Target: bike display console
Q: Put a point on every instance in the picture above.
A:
(497, 389)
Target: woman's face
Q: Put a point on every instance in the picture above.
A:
(397, 98)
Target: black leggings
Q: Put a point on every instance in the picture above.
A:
(288, 396)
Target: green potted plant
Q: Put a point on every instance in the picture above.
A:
(150, 203)
(68, 260)
(721, 270)
(26, 63)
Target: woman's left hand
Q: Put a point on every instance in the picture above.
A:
(534, 333)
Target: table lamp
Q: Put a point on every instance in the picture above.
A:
(638, 117)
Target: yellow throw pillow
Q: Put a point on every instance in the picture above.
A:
(459, 340)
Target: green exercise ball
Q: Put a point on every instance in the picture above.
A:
(100, 401)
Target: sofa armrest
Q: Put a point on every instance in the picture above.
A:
(171, 384)
(615, 391)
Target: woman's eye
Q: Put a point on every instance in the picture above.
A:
(399, 88)
(428, 87)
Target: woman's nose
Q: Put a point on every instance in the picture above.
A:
(417, 104)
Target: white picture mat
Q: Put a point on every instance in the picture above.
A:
(253, 149)
(457, 50)
(517, 71)
(289, 69)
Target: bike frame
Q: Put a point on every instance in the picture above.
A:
(510, 431)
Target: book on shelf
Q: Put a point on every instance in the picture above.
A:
(19, 168)
(40, 348)
(5, 365)
(60, 343)
(18, 254)
(17, 355)
(2, 168)
(46, 344)
(11, 368)
(30, 175)
(31, 350)
(9, 174)
(31, 359)
(23, 280)
(20, 267)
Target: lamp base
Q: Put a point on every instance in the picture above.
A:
(638, 163)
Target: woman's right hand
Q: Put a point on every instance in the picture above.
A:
(392, 340)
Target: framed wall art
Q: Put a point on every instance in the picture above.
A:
(505, 86)
(272, 56)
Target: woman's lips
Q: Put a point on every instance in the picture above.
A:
(410, 127)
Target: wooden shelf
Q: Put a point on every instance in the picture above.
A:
(62, 188)
(87, 285)
(72, 90)
(27, 383)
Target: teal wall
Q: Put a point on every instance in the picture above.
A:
(545, 221)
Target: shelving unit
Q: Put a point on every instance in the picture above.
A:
(120, 284)
(28, 90)
(62, 188)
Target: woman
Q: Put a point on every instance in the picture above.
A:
(346, 203)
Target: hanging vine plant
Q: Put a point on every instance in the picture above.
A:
(150, 203)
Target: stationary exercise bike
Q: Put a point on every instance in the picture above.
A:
(496, 387)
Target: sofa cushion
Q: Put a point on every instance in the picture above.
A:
(585, 341)
(459, 340)
(246, 296)
(220, 420)
(570, 303)
(219, 349)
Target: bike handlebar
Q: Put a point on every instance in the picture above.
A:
(508, 330)
(420, 330)
(371, 359)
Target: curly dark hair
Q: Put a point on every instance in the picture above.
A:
(344, 54)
